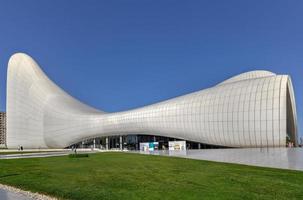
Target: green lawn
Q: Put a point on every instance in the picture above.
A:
(135, 176)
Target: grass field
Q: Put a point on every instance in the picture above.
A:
(135, 176)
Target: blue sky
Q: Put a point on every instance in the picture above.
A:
(118, 55)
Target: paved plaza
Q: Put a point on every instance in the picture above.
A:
(283, 158)
(9, 195)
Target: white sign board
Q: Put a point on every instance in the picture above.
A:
(149, 146)
(177, 145)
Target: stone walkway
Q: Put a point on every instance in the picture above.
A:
(11, 193)
(33, 155)
(8, 195)
(43, 154)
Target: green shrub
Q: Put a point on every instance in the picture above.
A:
(78, 155)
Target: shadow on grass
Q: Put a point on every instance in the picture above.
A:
(8, 175)
(81, 155)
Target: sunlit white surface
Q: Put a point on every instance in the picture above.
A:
(248, 110)
(283, 158)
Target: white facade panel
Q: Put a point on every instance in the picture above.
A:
(248, 110)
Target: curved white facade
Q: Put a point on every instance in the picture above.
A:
(253, 109)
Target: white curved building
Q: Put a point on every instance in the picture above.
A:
(253, 109)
